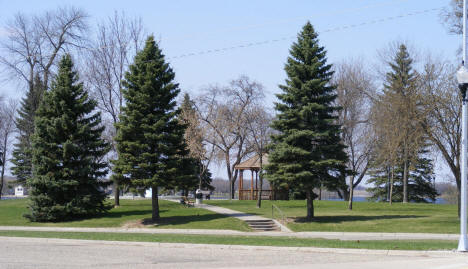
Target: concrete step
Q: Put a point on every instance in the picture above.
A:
(267, 229)
(259, 220)
(263, 225)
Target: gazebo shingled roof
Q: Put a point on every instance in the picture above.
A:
(252, 163)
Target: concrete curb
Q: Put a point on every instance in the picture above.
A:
(407, 253)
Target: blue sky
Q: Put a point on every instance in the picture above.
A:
(185, 27)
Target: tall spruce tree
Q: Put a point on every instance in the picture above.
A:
(421, 187)
(150, 138)
(67, 152)
(22, 152)
(307, 150)
(400, 101)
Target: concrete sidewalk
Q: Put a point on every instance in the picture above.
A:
(324, 235)
(236, 214)
(241, 215)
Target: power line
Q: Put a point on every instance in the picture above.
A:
(287, 20)
(338, 28)
(259, 43)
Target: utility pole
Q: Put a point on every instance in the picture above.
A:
(462, 77)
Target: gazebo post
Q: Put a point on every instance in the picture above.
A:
(251, 185)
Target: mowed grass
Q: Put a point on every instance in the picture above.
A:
(244, 240)
(129, 214)
(334, 216)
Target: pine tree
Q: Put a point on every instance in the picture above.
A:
(421, 187)
(22, 153)
(401, 98)
(150, 138)
(67, 152)
(307, 150)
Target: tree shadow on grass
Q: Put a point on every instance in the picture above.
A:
(121, 214)
(178, 220)
(341, 219)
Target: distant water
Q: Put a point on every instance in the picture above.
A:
(12, 198)
(355, 199)
(364, 199)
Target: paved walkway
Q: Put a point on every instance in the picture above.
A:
(240, 215)
(235, 214)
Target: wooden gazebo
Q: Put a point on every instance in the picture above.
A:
(252, 164)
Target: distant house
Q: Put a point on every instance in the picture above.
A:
(19, 190)
(9, 186)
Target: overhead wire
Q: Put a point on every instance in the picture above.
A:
(338, 28)
(259, 43)
(287, 20)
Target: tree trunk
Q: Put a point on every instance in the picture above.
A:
(388, 183)
(233, 189)
(154, 203)
(405, 182)
(200, 176)
(351, 192)
(345, 195)
(229, 173)
(3, 165)
(260, 178)
(116, 194)
(320, 193)
(391, 185)
(2, 180)
(259, 190)
(310, 205)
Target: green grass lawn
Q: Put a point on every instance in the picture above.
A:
(130, 212)
(245, 240)
(365, 216)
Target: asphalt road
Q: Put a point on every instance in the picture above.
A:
(62, 253)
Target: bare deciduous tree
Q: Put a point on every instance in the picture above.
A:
(117, 41)
(441, 116)
(195, 134)
(353, 85)
(33, 42)
(387, 135)
(223, 110)
(7, 128)
(453, 17)
(258, 121)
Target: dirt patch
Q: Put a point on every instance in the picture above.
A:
(143, 223)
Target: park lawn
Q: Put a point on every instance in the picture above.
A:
(173, 215)
(333, 216)
(244, 240)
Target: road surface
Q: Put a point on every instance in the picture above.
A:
(64, 253)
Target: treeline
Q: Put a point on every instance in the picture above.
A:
(334, 126)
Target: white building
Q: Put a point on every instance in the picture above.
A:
(19, 190)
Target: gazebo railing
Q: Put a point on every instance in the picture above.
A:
(253, 194)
